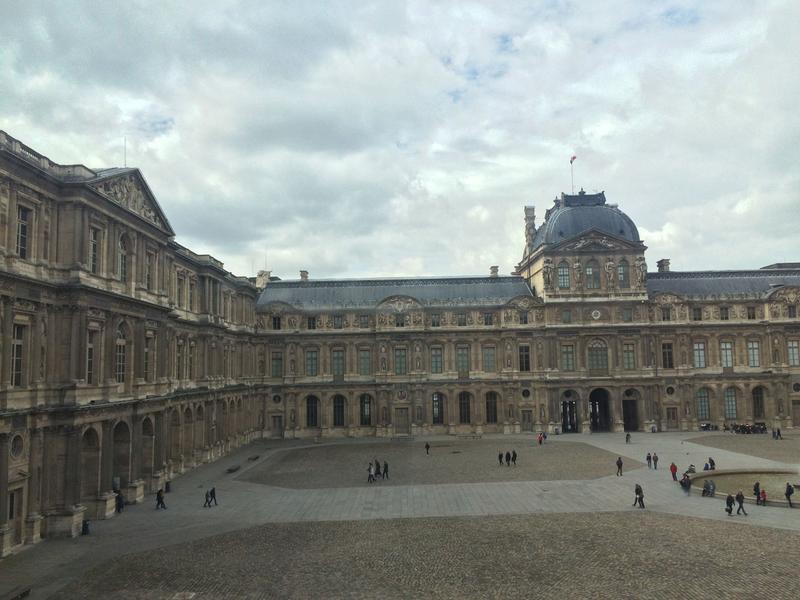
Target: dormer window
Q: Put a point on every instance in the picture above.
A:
(399, 320)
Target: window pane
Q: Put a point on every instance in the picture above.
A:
(462, 359)
(567, 357)
(794, 353)
(730, 403)
(524, 358)
(753, 357)
(628, 356)
(699, 355)
(563, 276)
(702, 404)
(337, 362)
(277, 364)
(364, 362)
(400, 361)
(312, 363)
(726, 354)
(489, 362)
(436, 360)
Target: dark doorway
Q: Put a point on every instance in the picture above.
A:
(630, 415)
(600, 419)
(569, 416)
(527, 419)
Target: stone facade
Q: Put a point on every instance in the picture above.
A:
(127, 358)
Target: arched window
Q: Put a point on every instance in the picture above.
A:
(437, 408)
(121, 355)
(598, 356)
(730, 403)
(623, 274)
(758, 403)
(491, 407)
(703, 412)
(338, 411)
(464, 416)
(592, 275)
(365, 409)
(563, 275)
(122, 259)
(312, 416)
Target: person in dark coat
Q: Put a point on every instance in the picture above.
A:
(427, 448)
(378, 469)
(740, 501)
(160, 500)
(729, 504)
(119, 502)
(649, 460)
(514, 457)
(213, 496)
(711, 464)
(655, 460)
(788, 493)
(757, 492)
(500, 458)
(639, 499)
(207, 503)
(385, 470)
(508, 458)
(619, 466)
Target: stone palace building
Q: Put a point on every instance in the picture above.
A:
(128, 359)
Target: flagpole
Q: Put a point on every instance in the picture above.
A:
(572, 177)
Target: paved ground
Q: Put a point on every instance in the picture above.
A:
(762, 445)
(392, 522)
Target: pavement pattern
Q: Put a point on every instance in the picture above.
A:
(315, 537)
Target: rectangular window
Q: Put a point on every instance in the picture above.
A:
(598, 358)
(523, 317)
(726, 354)
(667, 361)
(793, 352)
(567, 357)
(276, 323)
(399, 320)
(437, 408)
(751, 313)
(312, 363)
(703, 410)
(91, 336)
(337, 361)
(338, 321)
(730, 403)
(436, 359)
(121, 361)
(488, 318)
(462, 359)
(277, 364)
(363, 321)
(566, 316)
(400, 367)
(23, 231)
(436, 320)
(181, 286)
(628, 356)
(191, 295)
(312, 322)
(753, 356)
(666, 313)
(699, 355)
(17, 356)
(524, 358)
(190, 362)
(627, 314)
(724, 313)
(792, 311)
(149, 270)
(94, 250)
(489, 359)
(364, 361)
(697, 313)
(461, 319)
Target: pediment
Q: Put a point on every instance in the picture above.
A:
(524, 302)
(398, 303)
(788, 294)
(128, 188)
(595, 241)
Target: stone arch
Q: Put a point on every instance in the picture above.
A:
(730, 402)
(631, 409)
(121, 474)
(570, 411)
(563, 275)
(90, 464)
(597, 356)
(703, 398)
(222, 420)
(600, 409)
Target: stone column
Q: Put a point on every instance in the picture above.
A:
(104, 507)
(33, 520)
(5, 532)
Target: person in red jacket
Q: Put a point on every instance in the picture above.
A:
(673, 468)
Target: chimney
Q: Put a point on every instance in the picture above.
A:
(262, 279)
(303, 275)
(493, 271)
(663, 265)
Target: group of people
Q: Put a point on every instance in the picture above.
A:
(737, 428)
(374, 469)
(739, 501)
(211, 496)
(652, 460)
(511, 458)
(710, 465)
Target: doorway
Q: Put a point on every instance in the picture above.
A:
(402, 425)
(277, 426)
(569, 416)
(527, 420)
(15, 515)
(600, 419)
(630, 415)
(672, 417)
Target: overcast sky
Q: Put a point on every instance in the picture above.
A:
(405, 138)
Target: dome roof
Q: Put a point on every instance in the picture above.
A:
(574, 215)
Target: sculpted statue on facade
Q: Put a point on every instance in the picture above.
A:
(547, 273)
(641, 272)
(577, 269)
(610, 269)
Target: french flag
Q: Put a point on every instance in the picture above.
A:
(572, 160)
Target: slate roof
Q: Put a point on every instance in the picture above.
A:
(330, 294)
(712, 284)
(575, 214)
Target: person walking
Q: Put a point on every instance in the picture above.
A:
(729, 504)
(757, 492)
(711, 464)
(370, 474)
(788, 493)
(160, 500)
(639, 496)
(514, 457)
(385, 470)
(427, 448)
(673, 468)
(763, 497)
(500, 458)
(508, 458)
(540, 438)
(212, 496)
(627, 438)
(686, 484)
(740, 502)
(619, 466)
(378, 469)
(649, 460)
(655, 461)
(207, 503)
(119, 502)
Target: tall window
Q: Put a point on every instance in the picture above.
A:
(491, 407)
(400, 366)
(461, 319)
(121, 356)
(598, 356)
(623, 274)
(191, 295)
(364, 361)
(18, 356)
(437, 408)
(524, 358)
(793, 353)
(399, 320)
(792, 311)
(338, 411)
(312, 323)
(667, 361)
(702, 404)
(190, 361)
(563, 275)
(464, 407)
(666, 313)
(122, 260)
(724, 313)
(758, 403)
(94, 250)
(592, 275)
(181, 285)
(567, 357)
(337, 361)
(751, 313)
(699, 353)
(628, 356)
(462, 359)
(488, 318)
(436, 359)
(277, 364)
(726, 354)
(23, 230)
(91, 337)
(149, 270)
(523, 317)
(697, 313)
(489, 359)
(566, 316)
(436, 320)
(180, 360)
(730, 403)
(753, 356)
(276, 323)
(312, 407)
(338, 321)
(365, 410)
(312, 363)
(148, 360)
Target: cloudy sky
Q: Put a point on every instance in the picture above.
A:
(405, 138)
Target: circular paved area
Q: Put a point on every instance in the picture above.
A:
(762, 445)
(635, 554)
(339, 466)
